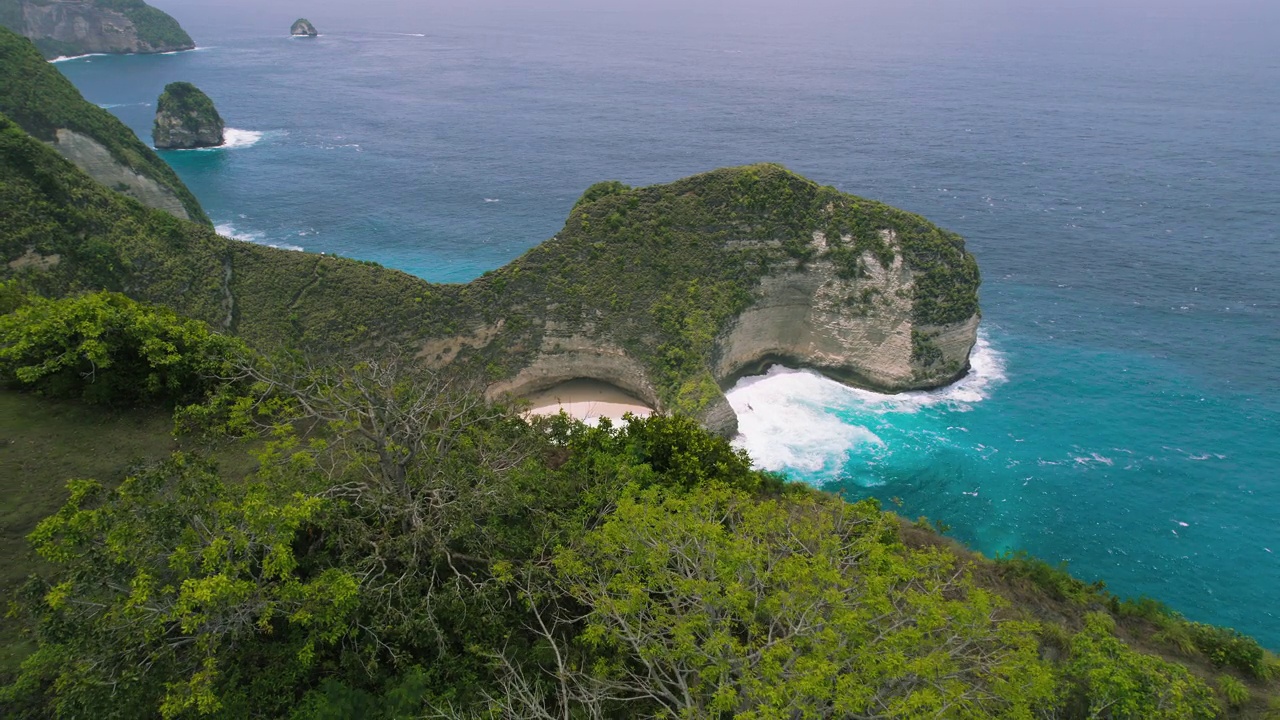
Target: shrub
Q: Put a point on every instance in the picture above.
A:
(1111, 680)
(1233, 691)
(1054, 580)
(110, 350)
(1228, 648)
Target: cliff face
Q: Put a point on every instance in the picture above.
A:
(674, 292)
(186, 119)
(304, 28)
(669, 292)
(79, 27)
(45, 104)
(97, 162)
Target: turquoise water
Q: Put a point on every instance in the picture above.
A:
(1114, 171)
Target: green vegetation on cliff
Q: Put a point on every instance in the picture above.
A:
(41, 101)
(659, 271)
(154, 28)
(186, 118)
(376, 541)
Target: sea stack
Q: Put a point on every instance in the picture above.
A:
(304, 28)
(186, 119)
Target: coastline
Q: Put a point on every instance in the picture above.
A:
(588, 401)
(68, 58)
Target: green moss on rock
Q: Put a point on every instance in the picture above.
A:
(186, 118)
(303, 28)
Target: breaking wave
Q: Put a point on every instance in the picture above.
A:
(258, 238)
(802, 421)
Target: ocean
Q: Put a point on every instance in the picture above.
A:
(1115, 168)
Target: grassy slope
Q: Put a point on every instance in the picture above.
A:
(37, 97)
(43, 444)
(1051, 596)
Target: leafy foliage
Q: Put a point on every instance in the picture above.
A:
(1055, 580)
(110, 350)
(40, 100)
(405, 547)
(166, 584)
(714, 602)
(1113, 681)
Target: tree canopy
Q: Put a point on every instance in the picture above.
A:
(405, 547)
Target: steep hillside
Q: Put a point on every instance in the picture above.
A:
(45, 104)
(668, 292)
(81, 27)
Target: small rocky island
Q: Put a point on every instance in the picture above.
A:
(304, 28)
(186, 119)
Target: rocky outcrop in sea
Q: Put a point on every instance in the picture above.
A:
(304, 28)
(187, 119)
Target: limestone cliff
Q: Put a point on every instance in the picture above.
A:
(304, 28)
(41, 100)
(673, 292)
(80, 27)
(669, 292)
(187, 119)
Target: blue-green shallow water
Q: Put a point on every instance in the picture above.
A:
(1116, 171)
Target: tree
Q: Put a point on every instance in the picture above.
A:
(109, 350)
(708, 602)
(166, 585)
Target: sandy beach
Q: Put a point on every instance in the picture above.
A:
(588, 400)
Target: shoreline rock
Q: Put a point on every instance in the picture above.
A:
(186, 119)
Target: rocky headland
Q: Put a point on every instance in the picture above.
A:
(668, 293)
(186, 119)
(82, 27)
(304, 28)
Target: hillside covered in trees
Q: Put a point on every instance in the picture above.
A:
(289, 511)
(366, 539)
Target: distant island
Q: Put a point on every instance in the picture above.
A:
(186, 119)
(304, 28)
(81, 27)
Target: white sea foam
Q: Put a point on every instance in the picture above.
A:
(785, 421)
(233, 139)
(791, 419)
(255, 237)
(236, 139)
(67, 58)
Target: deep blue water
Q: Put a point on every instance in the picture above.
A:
(1116, 171)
